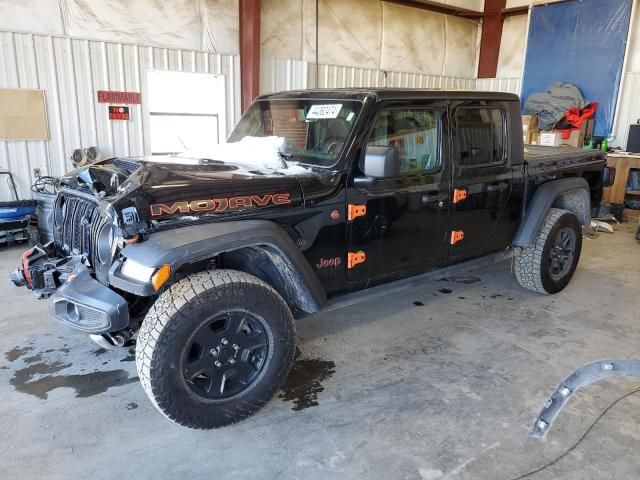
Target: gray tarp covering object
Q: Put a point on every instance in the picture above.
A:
(551, 105)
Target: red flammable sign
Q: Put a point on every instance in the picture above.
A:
(107, 96)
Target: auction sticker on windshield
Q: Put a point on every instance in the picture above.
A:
(324, 111)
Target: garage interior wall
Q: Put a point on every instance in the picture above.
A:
(71, 48)
(511, 62)
(70, 71)
(386, 36)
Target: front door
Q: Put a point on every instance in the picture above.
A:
(481, 218)
(398, 226)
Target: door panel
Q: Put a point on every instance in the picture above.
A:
(404, 228)
(481, 169)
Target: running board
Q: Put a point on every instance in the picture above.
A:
(417, 280)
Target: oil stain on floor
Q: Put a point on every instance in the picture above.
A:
(39, 377)
(17, 352)
(304, 382)
(85, 384)
(464, 280)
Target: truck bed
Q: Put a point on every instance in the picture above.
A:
(540, 156)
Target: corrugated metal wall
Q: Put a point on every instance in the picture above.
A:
(284, 74)
(70, 71)
(511, 85)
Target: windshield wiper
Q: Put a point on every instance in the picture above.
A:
(284, 157)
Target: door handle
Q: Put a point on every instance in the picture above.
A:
(497, 187)
(429, 197)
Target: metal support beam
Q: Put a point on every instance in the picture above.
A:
(491, 36)
(438, 7)
(249, 51)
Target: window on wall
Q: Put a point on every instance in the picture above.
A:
(478, 136)
(186, 111)
(414, 133)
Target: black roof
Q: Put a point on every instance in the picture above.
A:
(391, 94)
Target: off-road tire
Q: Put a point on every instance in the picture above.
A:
(531, 268)
(174, 317)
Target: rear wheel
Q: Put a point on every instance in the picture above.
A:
(549, 263)
(214, 348)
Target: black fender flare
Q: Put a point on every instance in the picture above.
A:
(201, 242)
(549, 195)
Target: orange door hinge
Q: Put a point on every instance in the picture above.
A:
(459, 195)
(355, 211)
(456, 236)
(354, 258)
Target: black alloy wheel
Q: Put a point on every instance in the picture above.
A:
(225, 355)
(214, 348)
(548, 264)
(562, 252)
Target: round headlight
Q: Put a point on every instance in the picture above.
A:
(106, 243)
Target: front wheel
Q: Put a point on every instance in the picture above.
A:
(214, 348)
(549, 263)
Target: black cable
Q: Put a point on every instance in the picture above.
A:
(580, 439)
(47, 185)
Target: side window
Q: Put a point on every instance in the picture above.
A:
(478, 136)
(414, 133)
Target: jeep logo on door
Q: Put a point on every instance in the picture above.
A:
(219, 204)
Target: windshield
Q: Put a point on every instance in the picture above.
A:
(314, 131)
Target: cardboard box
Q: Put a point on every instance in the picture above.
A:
(534, 138)
(578, 136)
(529, 127)
(550, 139)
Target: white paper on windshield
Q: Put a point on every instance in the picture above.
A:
(324, 111)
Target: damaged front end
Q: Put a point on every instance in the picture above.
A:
(72, 271)
(43, 272)
(76, 298)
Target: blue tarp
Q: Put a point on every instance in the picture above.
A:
(580, 42)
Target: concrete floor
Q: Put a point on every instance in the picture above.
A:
(439, 382)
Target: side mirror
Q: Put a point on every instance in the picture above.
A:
(381, 162)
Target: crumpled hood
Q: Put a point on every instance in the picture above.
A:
(170, 189)
(145, 190)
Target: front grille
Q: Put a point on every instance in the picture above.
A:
(77, 222)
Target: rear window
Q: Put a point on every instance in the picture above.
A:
(479, 136)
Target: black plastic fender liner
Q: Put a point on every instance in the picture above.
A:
(545, 196)
(581, 377)
(201, 242)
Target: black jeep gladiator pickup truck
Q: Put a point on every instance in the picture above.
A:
(319, 199)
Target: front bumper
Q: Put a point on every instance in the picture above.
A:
(76, 298)
(85, 304)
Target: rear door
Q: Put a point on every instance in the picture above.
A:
(398, 226)
(481, 221)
